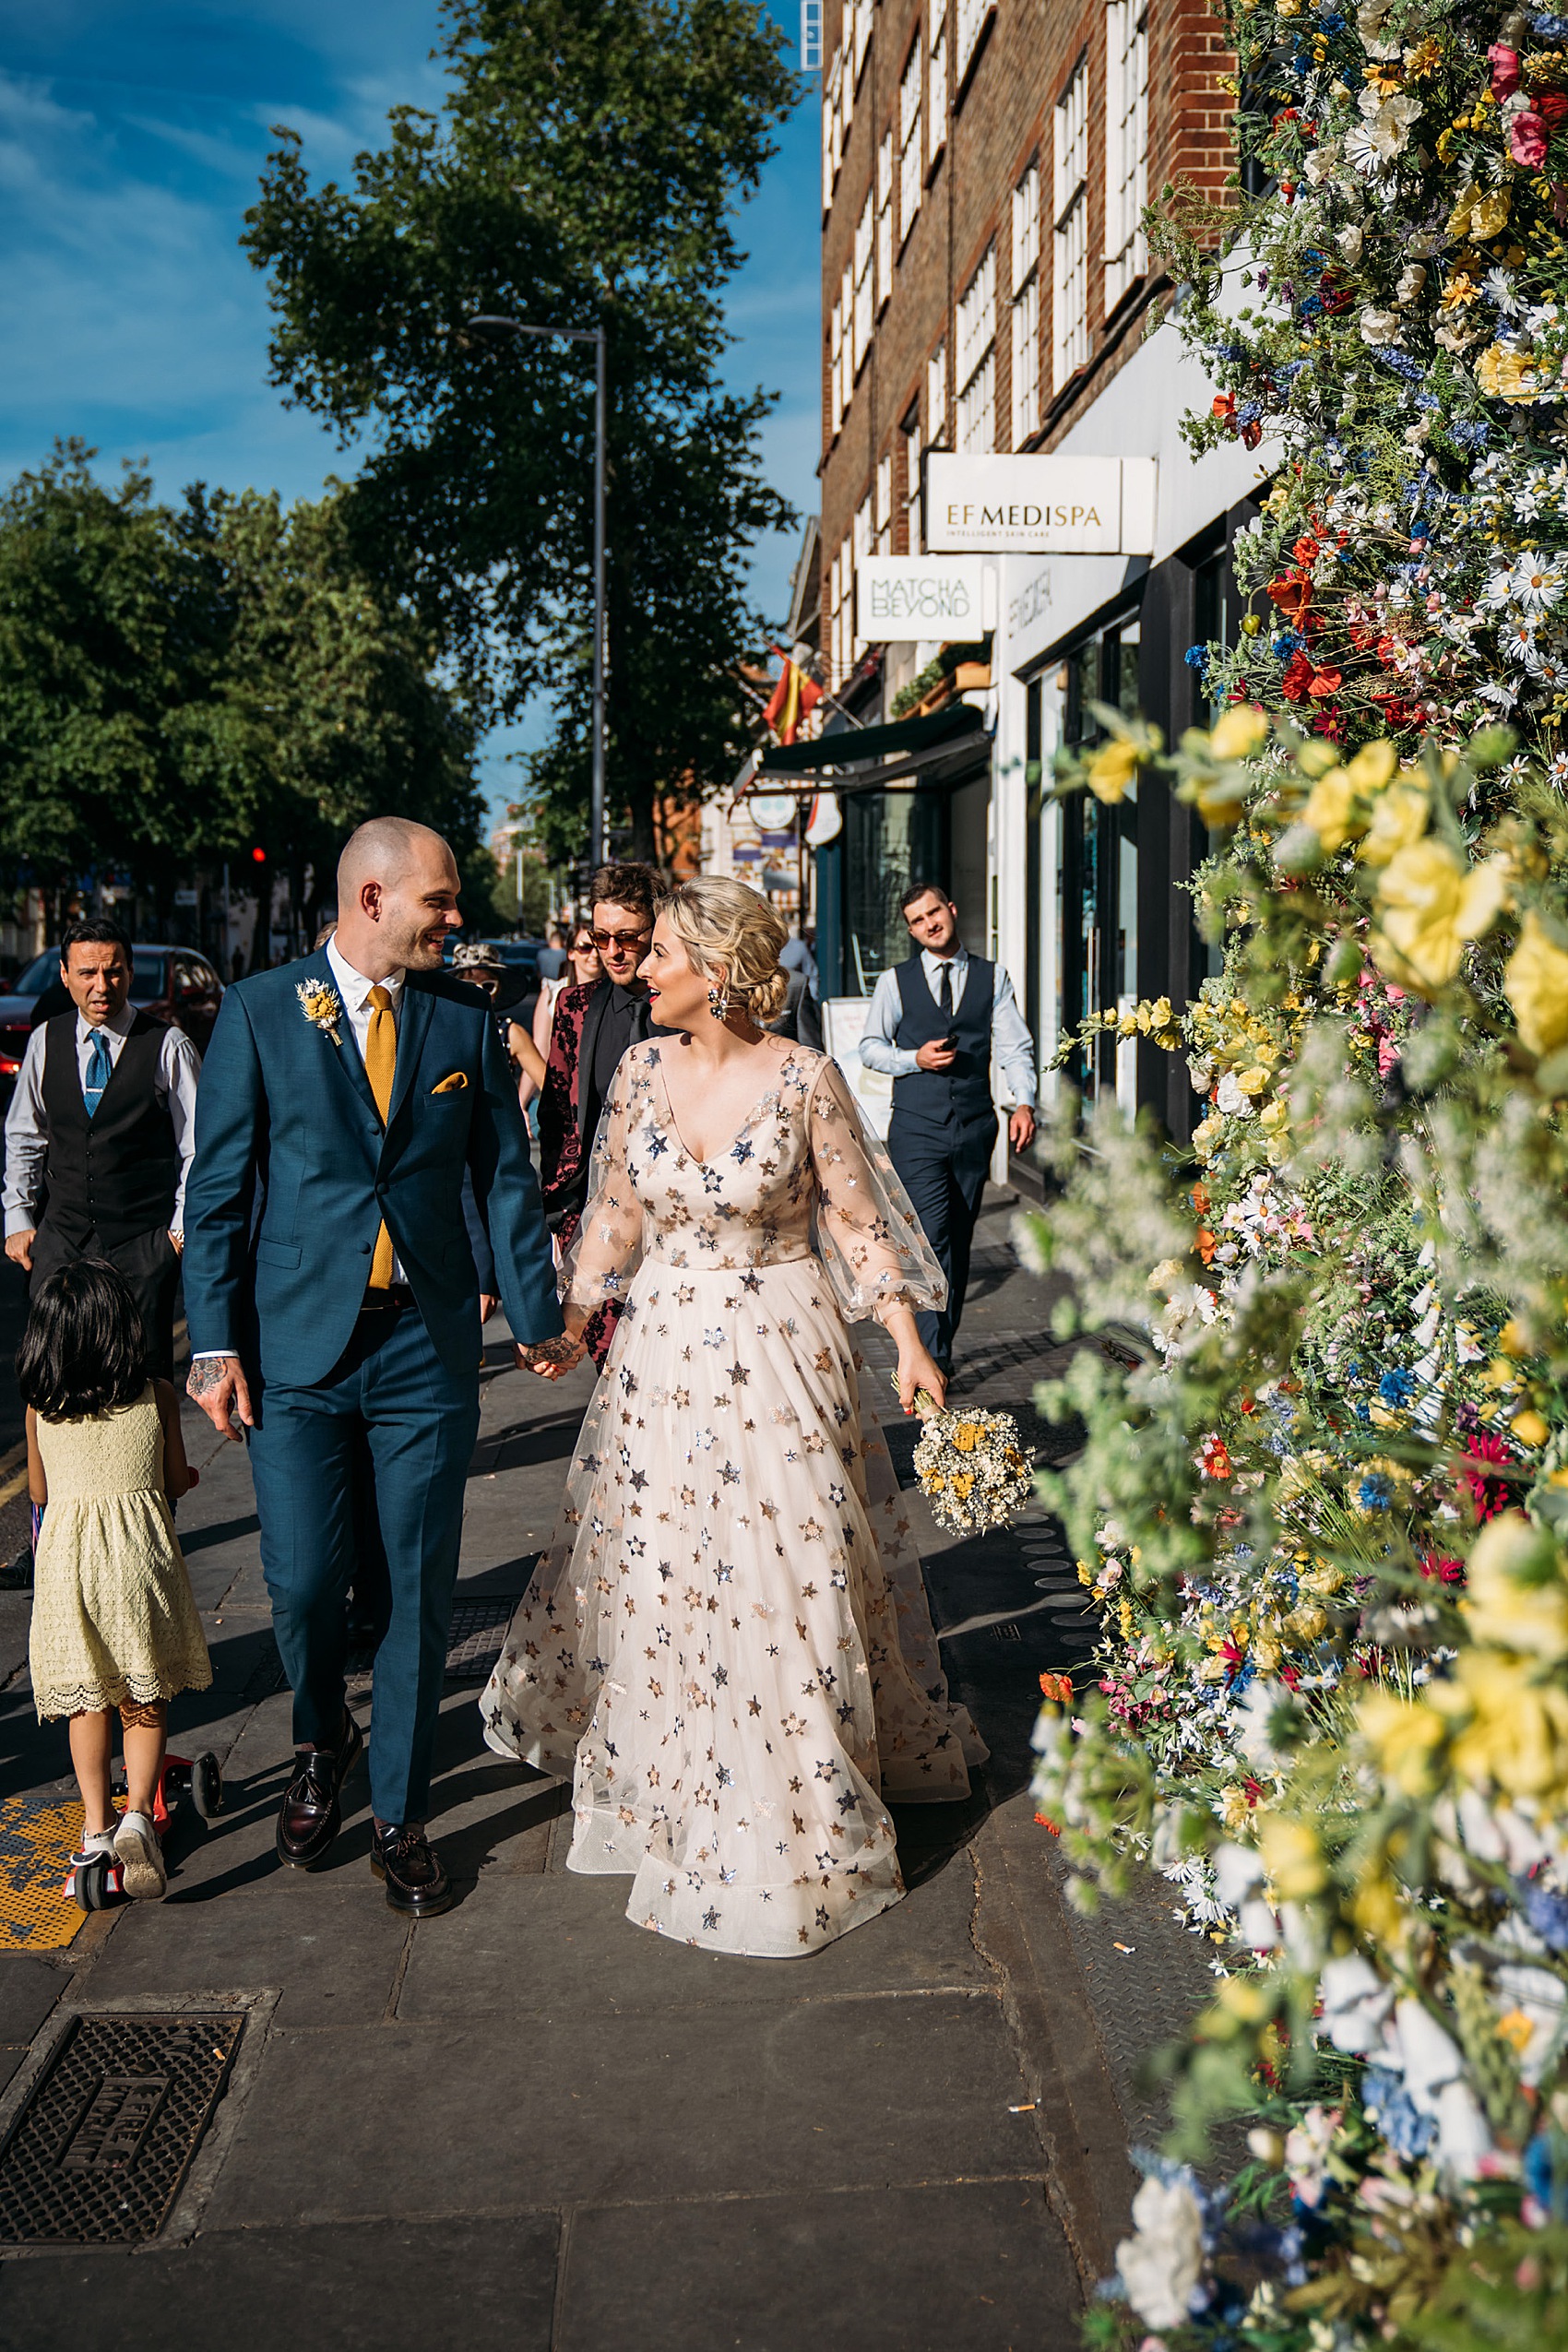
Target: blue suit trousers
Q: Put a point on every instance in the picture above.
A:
(389, 1390)
(943, 1169)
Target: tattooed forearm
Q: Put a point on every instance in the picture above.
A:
(564, 1351)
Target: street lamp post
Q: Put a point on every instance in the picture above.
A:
(490, 325)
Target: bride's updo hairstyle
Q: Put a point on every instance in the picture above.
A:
(734, 938)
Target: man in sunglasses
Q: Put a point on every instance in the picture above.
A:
(592, 1029)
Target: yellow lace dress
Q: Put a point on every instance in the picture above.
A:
(112, 1615)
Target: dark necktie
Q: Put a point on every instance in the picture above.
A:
(99, 1069)
(945, 999)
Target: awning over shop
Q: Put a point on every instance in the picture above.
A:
(851, 747)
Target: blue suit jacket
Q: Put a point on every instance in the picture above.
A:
(285, 1114)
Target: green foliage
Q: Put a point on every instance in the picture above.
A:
(180, 684)
(585, 169)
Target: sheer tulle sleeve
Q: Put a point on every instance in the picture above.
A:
(867, 1234)
(608, 1249)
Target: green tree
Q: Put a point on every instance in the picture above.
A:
(108, 636)
(585, 167)
(178, 684)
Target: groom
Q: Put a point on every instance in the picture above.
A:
(332, 1301)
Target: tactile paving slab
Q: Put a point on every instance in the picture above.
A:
(39, 1833)
(105, 2137)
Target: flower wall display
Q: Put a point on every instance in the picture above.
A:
(1324, 1508)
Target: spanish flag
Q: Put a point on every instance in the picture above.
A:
(792, 697)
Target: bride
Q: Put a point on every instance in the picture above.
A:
(727, 1641)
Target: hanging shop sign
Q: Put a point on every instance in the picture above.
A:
(919, 596)
(1057, 505)
(774, 812)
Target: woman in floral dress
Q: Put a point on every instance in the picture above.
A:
(728, 1642)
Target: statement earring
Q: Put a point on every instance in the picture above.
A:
(718, 1003)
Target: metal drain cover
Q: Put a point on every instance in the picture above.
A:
(97, 2153)
(477, 1630)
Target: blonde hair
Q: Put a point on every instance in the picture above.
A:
(734, 938)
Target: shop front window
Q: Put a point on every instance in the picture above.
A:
(890, 840)
(1098, 908)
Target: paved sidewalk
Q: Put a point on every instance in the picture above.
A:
(530, 2122)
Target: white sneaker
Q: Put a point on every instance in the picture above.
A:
(140, 1857)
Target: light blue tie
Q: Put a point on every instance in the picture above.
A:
(98, 1072)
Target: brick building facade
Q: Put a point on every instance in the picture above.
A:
(986, 287)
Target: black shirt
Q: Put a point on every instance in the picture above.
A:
(626, 1023)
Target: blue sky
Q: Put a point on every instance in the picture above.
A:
(131, 137)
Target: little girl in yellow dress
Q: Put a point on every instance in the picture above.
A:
(113, 1621)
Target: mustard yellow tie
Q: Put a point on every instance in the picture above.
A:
(380, 1061)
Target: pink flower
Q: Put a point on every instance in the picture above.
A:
(1504, 64)
(1526, 139)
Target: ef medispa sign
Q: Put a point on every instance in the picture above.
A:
(1057, 505)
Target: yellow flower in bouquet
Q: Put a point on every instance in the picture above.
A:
(973, 1468)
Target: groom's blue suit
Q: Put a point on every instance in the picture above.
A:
(292, 1177)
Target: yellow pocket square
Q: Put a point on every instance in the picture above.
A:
(453, 1085)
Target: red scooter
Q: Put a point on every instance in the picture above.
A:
(93, 1880)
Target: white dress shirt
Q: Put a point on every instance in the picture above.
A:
(354, 990)
(26, 1123)
(1010, 1039)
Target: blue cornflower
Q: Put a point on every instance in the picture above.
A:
(1195, 656)
(1403, 364)
(1375, 1491)
(1547, 1913)
(1288, 642)
(1311, 306)
(1427, 401)
(1551, 28)
(1397, 1387)
(1473, 436)
(1388, 2103)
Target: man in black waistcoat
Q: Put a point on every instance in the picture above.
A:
(99, 1135)
(934, 1023)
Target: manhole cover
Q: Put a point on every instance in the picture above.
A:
(477, 1630)
(97, 2153)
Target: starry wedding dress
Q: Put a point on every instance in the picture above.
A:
(728, 1642)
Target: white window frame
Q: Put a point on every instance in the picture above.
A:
(885, 504)
(859, 13)
(865, 247)
(1070, 213)
(912, 446)
(833, 124)
(937, 91)
(1126, 146)
(974, 358)
(884, 221)
(846, 348)
(936, 396)
(1026, 306)
(836, 369)
(912, 152)
(973, 18)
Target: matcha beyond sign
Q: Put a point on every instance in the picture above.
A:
(919, 596)
(1058, 505)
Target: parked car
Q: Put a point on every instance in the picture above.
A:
(174, 985)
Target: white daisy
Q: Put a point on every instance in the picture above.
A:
(1517, 639)
(1536, 583)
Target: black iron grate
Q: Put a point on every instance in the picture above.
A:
(97, 2153)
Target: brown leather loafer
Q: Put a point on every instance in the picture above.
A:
(312, 1814)
(415, 1881)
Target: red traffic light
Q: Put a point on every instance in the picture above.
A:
(258, 857)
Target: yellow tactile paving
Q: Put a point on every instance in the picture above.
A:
(36, 1841)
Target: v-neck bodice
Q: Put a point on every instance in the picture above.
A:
(800, 1176)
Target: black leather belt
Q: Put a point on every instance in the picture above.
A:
(379, 1302)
